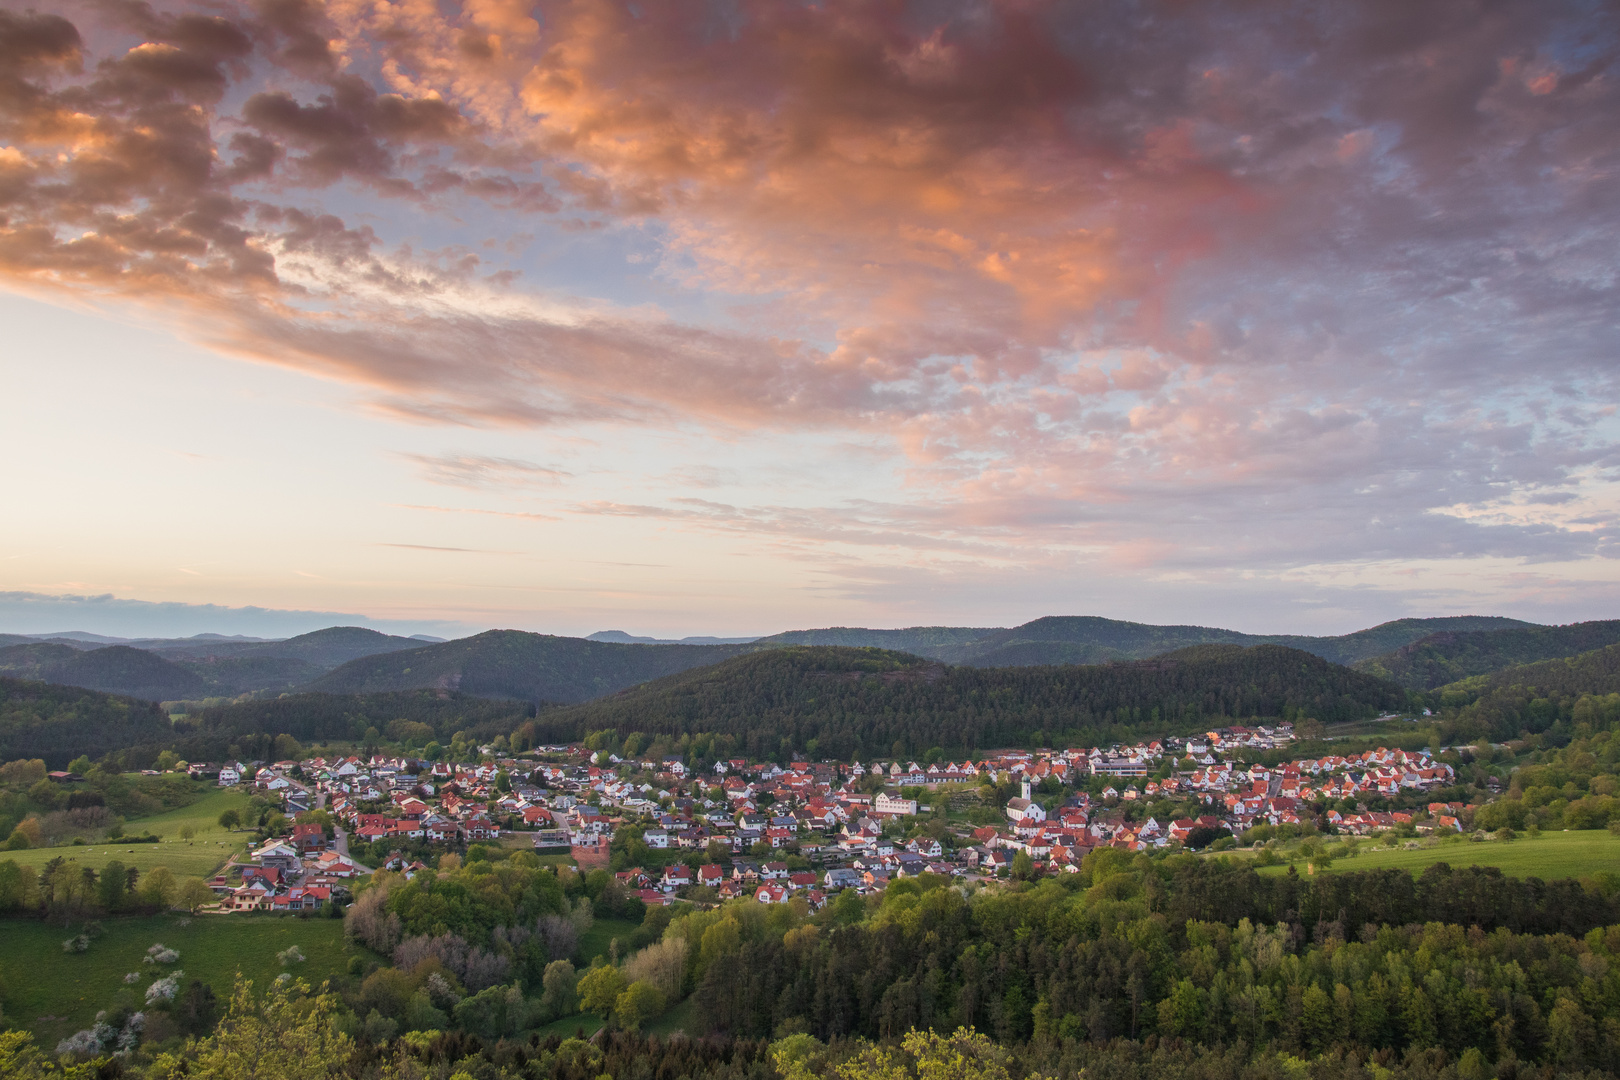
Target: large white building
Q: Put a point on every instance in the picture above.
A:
(891, 804)
(1025, 810)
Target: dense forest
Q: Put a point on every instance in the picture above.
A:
(1450, 657)
(1574, 787)
(416, 716)
(862, 702)
(1136, 966)
(1549, 698)
(59, 723)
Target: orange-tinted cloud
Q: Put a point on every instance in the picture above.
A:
(1087, 267)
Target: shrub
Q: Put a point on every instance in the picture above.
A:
(160, 954)
(165, 988)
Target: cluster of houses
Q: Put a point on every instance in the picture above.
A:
(815, 812)
(296, 874)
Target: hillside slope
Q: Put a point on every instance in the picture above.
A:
(58, 723)
(1550, 696)
(1446, 657)
(840, 701)
(517, 664)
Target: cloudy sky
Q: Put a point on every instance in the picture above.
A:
(732, 318)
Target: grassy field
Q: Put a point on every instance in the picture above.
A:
(569, 1026)
(1549, 856)
(54, 993)
(682, 1016)
(198, 857)
(595, 941)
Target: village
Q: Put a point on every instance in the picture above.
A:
(800, 829)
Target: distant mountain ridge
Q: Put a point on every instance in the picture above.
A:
(561, 670)
(521, 665)
(619, 637)
(1091, 639)
(930, 641)
(202, 667)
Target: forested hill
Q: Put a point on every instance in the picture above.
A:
(843, 702)
(1086, 639)
(1446, 657)
(326, 649)
(116, 669)
(1551, 696)
(516, 664)
(58, 723)
(411, 717)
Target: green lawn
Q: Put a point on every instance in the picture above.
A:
(1550, 856)
(682, 1016)
(594, 942)
(202, 815)
(569, 1026)
(54, 993)
(198, 857)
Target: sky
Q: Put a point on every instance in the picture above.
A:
(729, 318)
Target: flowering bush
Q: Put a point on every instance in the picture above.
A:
(160, 954)
(117, 1032)
(165, 988)
(76, 944)
(132, 977)
(81, 1043)
(291, 955)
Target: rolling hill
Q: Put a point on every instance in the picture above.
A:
(1449, 656)
(113, 669)
(838, 701)
(58, 723)
(517, 664)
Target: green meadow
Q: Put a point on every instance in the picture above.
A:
(198, 857)
(1548, 856)
(55, 993)
(596, 941)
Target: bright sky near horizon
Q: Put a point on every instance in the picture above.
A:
(731, 318)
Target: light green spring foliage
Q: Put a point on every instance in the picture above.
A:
(964, 1054)
(289, 1032)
